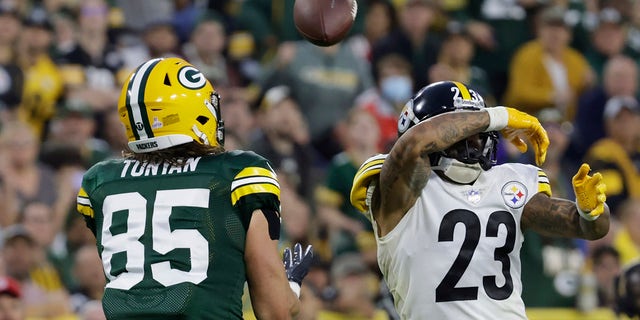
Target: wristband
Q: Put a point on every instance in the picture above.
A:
(586, 215)
(498, 118)
(295, 287)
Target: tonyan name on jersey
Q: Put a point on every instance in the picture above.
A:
(133, 168)
(172, 238)
(476, 228)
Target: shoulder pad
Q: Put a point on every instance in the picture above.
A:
(369, 170)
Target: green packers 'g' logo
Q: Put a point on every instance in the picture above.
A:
(191, 78)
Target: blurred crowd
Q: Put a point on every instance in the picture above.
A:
(316, 113)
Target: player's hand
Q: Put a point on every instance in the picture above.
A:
(590, 192)
(297, 263)
(521, 127)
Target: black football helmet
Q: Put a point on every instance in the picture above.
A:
(450, 96)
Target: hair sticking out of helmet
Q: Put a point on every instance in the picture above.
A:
(168, 102)
(470, 155)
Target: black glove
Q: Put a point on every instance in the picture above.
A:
(297, 265)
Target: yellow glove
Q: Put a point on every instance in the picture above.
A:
(517, 126)
(590, 193)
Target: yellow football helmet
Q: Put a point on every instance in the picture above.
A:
(166, 102)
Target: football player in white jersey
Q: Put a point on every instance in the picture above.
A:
(449, 222)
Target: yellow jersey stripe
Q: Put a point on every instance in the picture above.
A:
(375, 161)
(255, 171)
(375, 166)
(83, 204)
(368, 171)
(463, 90)
(240, 192)
(368, 165)
(544, 187)
(85, 210)
(82, 193)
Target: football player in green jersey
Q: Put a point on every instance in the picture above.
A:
(180, 223)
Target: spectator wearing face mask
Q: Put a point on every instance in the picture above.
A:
(394, 87)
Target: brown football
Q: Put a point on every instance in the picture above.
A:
(324, 22)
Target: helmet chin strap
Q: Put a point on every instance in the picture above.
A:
(458, 171)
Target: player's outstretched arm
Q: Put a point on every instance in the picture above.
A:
(587, 218)
(406, 168)
(271, 295)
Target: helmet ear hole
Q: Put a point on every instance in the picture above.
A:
(202, 119)
(167, 82)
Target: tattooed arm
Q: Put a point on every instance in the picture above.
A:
(406, 170)
(556, 217)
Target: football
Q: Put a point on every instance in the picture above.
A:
(324, 22)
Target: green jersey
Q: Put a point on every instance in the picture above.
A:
(172, 238)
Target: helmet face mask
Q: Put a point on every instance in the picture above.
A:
(480, 149)
(451, 96)
(168, 102)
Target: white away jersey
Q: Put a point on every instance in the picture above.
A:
(456, 253)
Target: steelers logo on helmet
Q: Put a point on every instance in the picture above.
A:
(191, 78)
(168, 102)
(406, 117)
